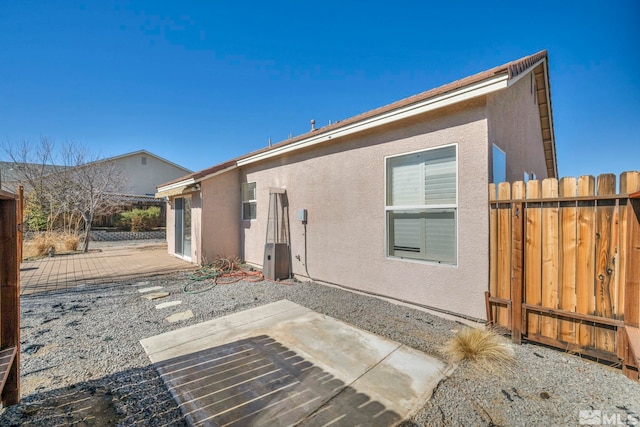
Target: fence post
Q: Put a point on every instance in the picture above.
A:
(504, 253)
(517, 261)
(630, 267)
(20, 223)
(493, 252)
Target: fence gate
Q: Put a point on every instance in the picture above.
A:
(565, 264)
(10, 217)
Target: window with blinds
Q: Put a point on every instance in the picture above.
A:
(422, 205)
(249, 201)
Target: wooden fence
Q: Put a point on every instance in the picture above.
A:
(9, 299)
(565, 264)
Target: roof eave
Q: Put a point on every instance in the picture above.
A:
(465, 93)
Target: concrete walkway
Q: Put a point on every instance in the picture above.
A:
(100, 266)
(284, 364)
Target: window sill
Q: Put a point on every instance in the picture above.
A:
(423, 262)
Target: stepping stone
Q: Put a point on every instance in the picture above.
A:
(167, 304)
(176, 317)
(152, 288)
(155, 295)
(141, 284)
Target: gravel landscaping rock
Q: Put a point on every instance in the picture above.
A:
(82, 362)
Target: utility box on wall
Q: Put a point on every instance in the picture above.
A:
(276, 261)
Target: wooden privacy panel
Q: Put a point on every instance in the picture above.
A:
(9, 300)
(563, 269)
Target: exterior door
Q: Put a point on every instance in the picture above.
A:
(183, 226)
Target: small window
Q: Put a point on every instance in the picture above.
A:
(422, 205)
(499, 165)
(249, 201)
(144, 160)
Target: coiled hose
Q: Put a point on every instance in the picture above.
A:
(221, 272)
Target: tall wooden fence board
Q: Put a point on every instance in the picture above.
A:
(550, 258)
(585, 272)
(533, 255)
(564, 259)
(568, 237)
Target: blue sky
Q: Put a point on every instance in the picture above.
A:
(200, 82)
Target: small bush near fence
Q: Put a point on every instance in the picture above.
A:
(140, 219)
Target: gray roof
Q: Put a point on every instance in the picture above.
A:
(9, 174)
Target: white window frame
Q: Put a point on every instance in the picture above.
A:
(435, 207)
(254, 201)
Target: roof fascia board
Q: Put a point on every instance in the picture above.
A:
(220, 172)
(529, 70)
(176, 185)
(553, 133)
(463, 94)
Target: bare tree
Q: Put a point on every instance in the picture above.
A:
(90, 186)
(69, 181)
(32, 165)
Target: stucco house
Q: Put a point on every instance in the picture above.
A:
(396, 198)
(143, 171)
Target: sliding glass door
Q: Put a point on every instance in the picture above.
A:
(183, 226)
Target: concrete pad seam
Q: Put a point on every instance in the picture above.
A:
(346, 386)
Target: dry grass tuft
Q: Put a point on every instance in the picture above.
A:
(485, 349)
(40, 244)
(71, 242)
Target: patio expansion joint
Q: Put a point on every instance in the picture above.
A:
(346, 386)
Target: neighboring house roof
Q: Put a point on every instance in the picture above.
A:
(146, 153)
(460, 90)
(9, 174)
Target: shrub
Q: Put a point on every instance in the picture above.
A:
(71, 242)
(140, 219)
(484, 348)
(39, 245)
(36, 217)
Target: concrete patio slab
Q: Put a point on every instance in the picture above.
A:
(283, 364)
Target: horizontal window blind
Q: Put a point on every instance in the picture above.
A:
(421, 205)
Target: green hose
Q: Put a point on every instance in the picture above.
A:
(207, 272)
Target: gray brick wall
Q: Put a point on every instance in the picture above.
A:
(115, 236)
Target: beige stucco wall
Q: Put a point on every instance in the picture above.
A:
(514, 126)
(171, 228)
(196, 227)
(221, 202)
(342, 186)
(143, 179)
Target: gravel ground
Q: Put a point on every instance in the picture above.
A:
(82, 362)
